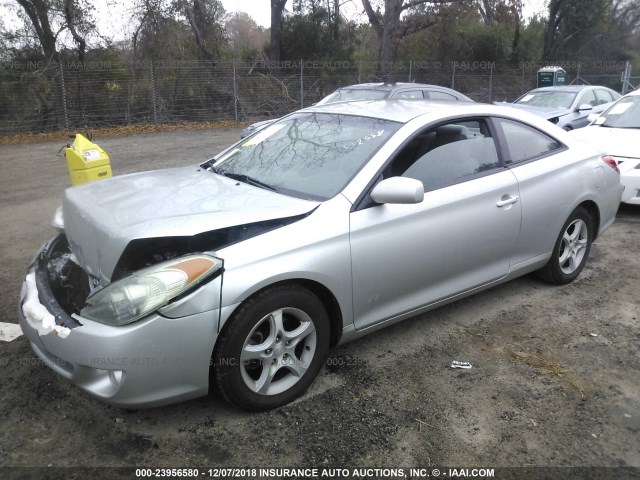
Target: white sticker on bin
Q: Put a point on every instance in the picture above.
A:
(36, 314)
(92, 155)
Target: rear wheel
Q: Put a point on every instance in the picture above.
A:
(571, 249)
(272, 348)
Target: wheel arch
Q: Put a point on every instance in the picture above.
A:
(325, 295)
(330, 303)
(594, 213)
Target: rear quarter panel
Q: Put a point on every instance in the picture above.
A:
(553, 186)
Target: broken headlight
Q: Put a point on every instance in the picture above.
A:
(146, 290)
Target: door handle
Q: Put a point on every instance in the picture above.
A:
(507, 200)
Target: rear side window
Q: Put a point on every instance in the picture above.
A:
(524, 142)
(440, 95)
(603, 96)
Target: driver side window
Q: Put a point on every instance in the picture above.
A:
(447, 154)
(588, 98)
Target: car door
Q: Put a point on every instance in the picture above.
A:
(543, 168)
(459, 237)
(579, 117)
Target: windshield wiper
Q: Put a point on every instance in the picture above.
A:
(208, 165)
(245, 179)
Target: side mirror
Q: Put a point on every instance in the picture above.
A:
(398, 190)
(584, 106)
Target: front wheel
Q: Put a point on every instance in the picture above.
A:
(272, 349)
(571, 249)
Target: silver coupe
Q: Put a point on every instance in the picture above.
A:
(241, 273)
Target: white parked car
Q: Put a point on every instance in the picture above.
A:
(617, 132)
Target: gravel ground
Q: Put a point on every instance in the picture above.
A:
(554, 381)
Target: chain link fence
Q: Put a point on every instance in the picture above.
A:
(40, 97)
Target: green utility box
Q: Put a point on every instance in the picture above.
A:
(551, 76)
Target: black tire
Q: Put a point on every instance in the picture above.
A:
(571, 250)
(272, 348)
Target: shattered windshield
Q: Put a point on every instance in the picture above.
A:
(307, 155)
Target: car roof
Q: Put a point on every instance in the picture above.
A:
(389, 86)
(405, 110)
(567, 88)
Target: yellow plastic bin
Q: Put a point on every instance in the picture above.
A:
(86, 161)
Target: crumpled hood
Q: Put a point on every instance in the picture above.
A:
(619, 142)
(543, 112)
(101, 218)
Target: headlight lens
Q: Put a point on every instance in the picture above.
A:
(146, 290)
(554, 120)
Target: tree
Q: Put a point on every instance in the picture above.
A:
(204, 17)
(625, 14)
(497, 13)
(569, 22)
(50, 18)
(310, 32)
(7, 42)
(74, 20)
(179, 29)
(39, 13)
(245, 35)
(390, 29)
(158, 34)
(462, 32)
(624, 30)
(277, 11)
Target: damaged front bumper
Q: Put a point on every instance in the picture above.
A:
(160, 359)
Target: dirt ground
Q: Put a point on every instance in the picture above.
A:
(554, 382)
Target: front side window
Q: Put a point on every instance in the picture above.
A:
(524, 142)
(447, 154)
(588, 98)
(307, 155)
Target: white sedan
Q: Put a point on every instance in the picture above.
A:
(617, 132)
